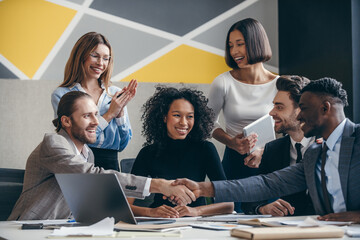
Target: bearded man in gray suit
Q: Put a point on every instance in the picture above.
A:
(330, 171)
(66, 152)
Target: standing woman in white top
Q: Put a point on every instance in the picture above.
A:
(244, 94)
(89, 69)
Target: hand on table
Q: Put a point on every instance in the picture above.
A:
(351, 216)
(186, 211)
(278, 208)
(164, 211)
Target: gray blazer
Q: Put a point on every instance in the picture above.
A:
(41, 197)
(301, 176)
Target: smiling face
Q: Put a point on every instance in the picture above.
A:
(97, 62)
(311, 114)
(237, 48)
(83, 122)
(284, 113)
(180, 119)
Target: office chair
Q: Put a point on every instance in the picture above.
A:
(11, 184)
(125, 167)
(126, 164)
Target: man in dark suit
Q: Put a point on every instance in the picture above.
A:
(285, 151)
(66, 152)
(329, 170)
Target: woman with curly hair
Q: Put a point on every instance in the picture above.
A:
(176, 124)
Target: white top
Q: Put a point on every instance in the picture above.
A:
(241, 103)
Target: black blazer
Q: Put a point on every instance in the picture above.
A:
(275, 157)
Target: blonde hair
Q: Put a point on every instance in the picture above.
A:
(74, 68)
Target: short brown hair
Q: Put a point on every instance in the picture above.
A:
(292, 84)
(74, 68)
(256, 42)
(67, 106)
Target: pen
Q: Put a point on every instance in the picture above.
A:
(116, 97)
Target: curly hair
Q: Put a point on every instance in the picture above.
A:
(157, 107)
(328, 87)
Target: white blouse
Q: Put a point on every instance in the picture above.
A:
(241, 103)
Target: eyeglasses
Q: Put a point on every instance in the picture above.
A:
(95, 56)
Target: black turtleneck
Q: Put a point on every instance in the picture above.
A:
(179, 159)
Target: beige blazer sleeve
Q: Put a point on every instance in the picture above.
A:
(59, 156)
(41, 197)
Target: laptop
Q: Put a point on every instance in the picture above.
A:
(93, 197)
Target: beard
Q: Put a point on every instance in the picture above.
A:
(291, 124)
(79, 134)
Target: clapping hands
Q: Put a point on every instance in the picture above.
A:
(120, 100)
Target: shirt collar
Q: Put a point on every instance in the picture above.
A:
(335, 135)
(85, 150)
(305, 142)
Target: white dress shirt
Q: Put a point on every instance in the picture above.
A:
(305, 143)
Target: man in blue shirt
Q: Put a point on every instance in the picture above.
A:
(330, 171)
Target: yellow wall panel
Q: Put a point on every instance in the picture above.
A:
(29, 30)
(184, 64)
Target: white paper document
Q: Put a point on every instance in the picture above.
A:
(218, 227)
(46, 222)
(352, 231)
(230, 217)
(103, 228)
(310, 222)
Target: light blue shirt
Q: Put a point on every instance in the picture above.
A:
(333, 183)
(114, 135)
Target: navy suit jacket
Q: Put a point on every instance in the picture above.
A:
(301, 176)
(275, 157)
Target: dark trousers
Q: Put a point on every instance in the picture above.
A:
(106, 158)
(234, 168)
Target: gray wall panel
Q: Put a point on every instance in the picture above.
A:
(26, 117)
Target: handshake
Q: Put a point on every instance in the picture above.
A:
(182, 191)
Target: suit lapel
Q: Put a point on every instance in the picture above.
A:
(347, 144)
(310, 160)
(63, 133)
(286, 154)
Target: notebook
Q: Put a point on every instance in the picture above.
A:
(264, 128)
(93, 197)
(287, 233)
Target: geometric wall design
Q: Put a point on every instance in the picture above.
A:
(153, 40)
